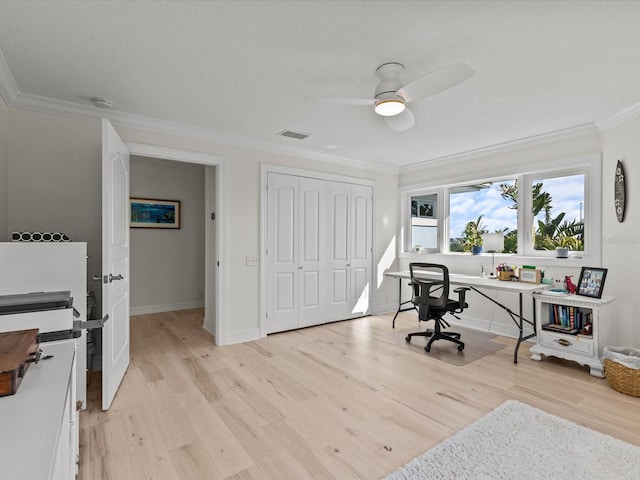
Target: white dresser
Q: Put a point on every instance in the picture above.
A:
(38, 423)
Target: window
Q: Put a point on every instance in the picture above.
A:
(424, 221)
(537, 212)
(558, 212)
(480, 208)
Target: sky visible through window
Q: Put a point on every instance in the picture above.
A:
(567, 196)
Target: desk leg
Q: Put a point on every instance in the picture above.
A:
(521, 328)
(401, 303)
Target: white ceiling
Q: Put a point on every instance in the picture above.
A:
(239, 71)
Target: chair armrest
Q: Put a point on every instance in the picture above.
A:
(462, 291)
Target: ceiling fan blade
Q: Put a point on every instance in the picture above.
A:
(436, 81)
(341, 100)
(401, 122)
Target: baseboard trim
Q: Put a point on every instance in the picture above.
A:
(242, 336)
(169, 307)
(388, 308)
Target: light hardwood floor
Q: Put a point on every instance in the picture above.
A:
(324, 402)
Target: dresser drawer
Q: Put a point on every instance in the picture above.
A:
(567, 343)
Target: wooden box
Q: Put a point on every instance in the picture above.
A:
(18, 350)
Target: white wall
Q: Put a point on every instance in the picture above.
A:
(621, 240)
(167, 265)
(4, 167)
(55, 183)
(54, 180)
(482, 313)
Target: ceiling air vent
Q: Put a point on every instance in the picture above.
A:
(292, 134)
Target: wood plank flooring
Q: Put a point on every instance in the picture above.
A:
(327, 402)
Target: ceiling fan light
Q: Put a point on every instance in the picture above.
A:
(389, 107)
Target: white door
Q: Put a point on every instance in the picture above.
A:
(312, 279)
(337, 239)
(115, 262)
(361, 252)
(282, 252)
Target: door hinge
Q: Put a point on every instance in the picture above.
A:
(213, 216)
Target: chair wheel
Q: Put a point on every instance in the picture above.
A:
(427, 348)
(407, 339)
(461, 347)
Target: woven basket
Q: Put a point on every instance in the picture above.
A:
(621, 378)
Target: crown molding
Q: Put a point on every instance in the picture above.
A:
(528, 142)
(16, 99)
(624, 115)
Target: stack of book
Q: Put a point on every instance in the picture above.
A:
(567, 319)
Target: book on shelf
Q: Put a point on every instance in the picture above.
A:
(568, 317)
(553, 327)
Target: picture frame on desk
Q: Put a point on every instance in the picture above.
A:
(591, 282)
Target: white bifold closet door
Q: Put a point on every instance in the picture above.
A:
(318, 251)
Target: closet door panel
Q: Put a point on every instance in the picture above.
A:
(282, 257)
(361, 233)
(337, 239)
(312, 277)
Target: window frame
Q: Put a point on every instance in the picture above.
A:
(405, 214)
(589, 165)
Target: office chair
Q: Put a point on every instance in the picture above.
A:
(431, 297)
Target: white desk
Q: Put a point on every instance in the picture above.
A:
(475, 283)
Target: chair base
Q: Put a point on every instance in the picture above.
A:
(437, 335)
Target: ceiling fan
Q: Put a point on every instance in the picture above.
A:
(391, 96)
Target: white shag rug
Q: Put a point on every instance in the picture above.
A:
(517, 441)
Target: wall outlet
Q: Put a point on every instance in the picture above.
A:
(253, 261)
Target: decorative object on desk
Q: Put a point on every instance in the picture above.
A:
(562, 252)
(519, 441)
(571, 287)
(492, 243)
(528, 275)
(622, 367)
(151, 213)
(505, 272)
(591, 282)
(620, 197)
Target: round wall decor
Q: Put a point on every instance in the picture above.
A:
(620, 192)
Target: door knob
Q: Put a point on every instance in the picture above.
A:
(100, 278)
(115, 277)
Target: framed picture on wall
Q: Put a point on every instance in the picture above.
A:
(153, 213)
(591, 282)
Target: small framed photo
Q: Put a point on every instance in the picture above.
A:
(591, 282)
(152, 213)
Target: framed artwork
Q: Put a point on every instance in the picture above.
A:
(591, 282)
(152, 213)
